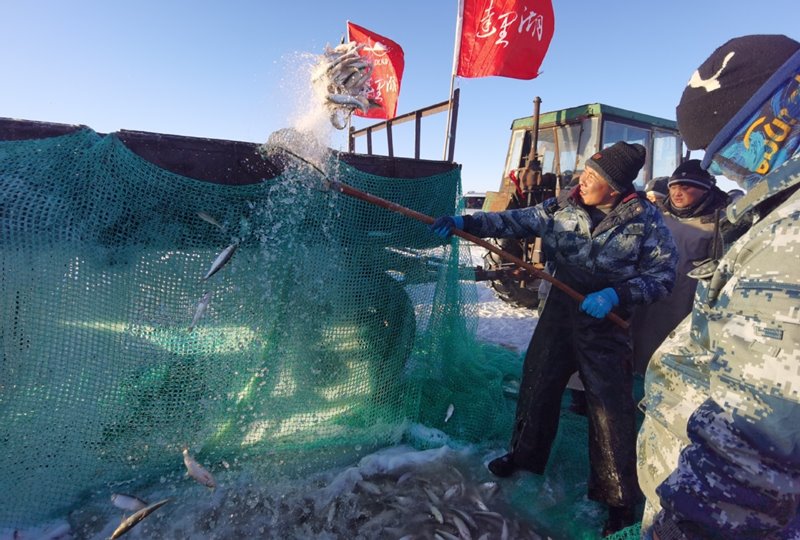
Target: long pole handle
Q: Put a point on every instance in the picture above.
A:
(389, 205)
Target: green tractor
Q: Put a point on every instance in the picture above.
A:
(545, 153)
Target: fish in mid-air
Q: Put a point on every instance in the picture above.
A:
(210, 219)
(450, 410)
(202, 306)
(221, 260)
(131, 521)
(130, 503)
(197, 471)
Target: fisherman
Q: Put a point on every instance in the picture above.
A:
(609, 244)
(690, 212)
(719, 450)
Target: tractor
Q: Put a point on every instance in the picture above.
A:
(546, 153)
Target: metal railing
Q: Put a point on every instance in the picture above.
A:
(417, 116)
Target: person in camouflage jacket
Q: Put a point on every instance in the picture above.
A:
(719, 450)
(617, 252)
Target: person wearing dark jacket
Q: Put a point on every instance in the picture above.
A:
(689, 212)
(611, 245)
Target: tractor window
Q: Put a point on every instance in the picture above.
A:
(614, 131)
(547, 149)
(514, 158)
(568, 138)
(666, 153)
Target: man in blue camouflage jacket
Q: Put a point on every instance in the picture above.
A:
(610, 244)
(719, 450)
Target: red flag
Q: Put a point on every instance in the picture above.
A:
(507, 38)
(388, 60)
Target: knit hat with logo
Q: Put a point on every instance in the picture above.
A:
(692, 174)
(732, 84)
(619, 164)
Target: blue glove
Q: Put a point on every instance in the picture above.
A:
(443, 225)
(599, 304)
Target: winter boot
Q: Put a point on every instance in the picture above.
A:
(503, 466)
(619, 517)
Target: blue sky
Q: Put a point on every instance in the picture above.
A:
(232, 70)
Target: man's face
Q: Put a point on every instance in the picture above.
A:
(594, 190)
(684, 195)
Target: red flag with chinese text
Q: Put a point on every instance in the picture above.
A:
(506, 38)
(388, 61)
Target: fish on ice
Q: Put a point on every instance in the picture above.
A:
(197, 471)
(131, 521)
(221, 260)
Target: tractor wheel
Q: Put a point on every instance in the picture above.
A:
(509, 290)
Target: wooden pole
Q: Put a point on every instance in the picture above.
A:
(383, 203)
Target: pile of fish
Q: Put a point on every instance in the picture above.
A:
(396, 493)
(345, 75)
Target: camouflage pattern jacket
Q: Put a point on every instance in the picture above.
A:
(631, 249)
(719, 450)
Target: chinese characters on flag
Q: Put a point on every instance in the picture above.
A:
(507, 38)
(388, 61)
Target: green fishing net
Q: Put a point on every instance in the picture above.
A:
(334, 327)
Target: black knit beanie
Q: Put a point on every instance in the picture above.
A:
(691, 173)
(725, 82)
(619, 164)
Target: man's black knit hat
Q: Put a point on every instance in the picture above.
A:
(691, 173)
(726, 81)
(619, 164)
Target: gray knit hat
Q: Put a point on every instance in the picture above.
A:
(619, 164)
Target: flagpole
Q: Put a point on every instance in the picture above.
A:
(456, 53)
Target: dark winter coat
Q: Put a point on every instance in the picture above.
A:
(631, 249)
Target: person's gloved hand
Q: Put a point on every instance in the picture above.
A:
(443, 225)
(599, 304)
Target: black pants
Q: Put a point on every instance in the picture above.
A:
(567, 339)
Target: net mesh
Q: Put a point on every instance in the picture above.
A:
(334, 327)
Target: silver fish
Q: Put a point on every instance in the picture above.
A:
(222, 259)
(463, 530)
(127, 502)
(437, 514)
(369, 487)
(210, 219)
(450, 409)
(446, 535)
(133, 520)
(353, 102)
(197, 471)
(202, 306)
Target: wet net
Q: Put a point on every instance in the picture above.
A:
(334, 329)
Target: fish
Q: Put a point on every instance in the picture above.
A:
(197, 471)
(450, 409)
(222, 259)
(369, 487)
(437, 514)
(201, 309)
(463, 530)
(353, 102)
(134, 519)
(446, 535)
(210, 219)
(130, 503)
